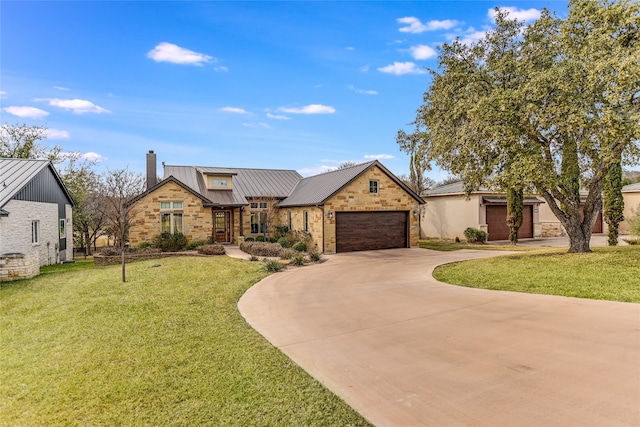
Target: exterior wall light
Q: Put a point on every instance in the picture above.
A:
(330, 215)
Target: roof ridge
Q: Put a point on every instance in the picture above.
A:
(345, 168)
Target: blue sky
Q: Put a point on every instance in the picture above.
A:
(284, 85)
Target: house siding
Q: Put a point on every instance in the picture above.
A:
(15, 231)
(197, 220)
(631, 206)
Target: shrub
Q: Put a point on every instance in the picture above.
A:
(144, 245)
(473, 235)
(273, 240)
(273, 265)
(253, 258)
(300, 247)
(246, 246)
(211, 250)
(168, 242)
(298, 259)
(634, 221)
(260, 238)
(315, 256)
(262, 249)
(284, 242)
(194, 244)
(249, 239)
(632, 240)
(280, 231)
(287, 254)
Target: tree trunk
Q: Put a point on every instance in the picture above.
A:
(515, 205)
(578, 239)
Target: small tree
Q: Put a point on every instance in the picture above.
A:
(20, 141)
(118, 187)
(613, 202)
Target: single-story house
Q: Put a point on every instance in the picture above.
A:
(362, 207)
(631, 196)
(448, 211)
(35, 211)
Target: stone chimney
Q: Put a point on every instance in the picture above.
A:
(152, 175)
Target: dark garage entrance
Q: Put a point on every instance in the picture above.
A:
(497, 222)
(366, 231)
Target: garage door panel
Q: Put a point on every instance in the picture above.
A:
(497, 222)
(361, 231)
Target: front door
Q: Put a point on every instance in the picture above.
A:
(222, 226)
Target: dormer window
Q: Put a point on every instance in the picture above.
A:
(217, 182)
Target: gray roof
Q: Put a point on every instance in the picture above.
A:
(631, 187)
(454, 188)
(15, 174)
(315, 190)
(247, 183)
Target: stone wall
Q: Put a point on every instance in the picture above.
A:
(19, 266)
(16, 230)
(197, 220)
(552, 229)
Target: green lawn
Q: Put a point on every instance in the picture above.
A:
(168, 347)
(446, 246)
(606, 273)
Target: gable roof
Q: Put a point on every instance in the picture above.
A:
(247, 183)
(315, 190)
(631, 187)
(15, 174)
(166, 181)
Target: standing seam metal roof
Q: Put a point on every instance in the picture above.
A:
(15, 174)
(631, 187)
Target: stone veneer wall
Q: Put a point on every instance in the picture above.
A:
(16, 230)
(197, 220)
(19, 266)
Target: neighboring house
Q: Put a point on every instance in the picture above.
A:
(448, 212)
(362, 207)
(35, 211)
(631, 195)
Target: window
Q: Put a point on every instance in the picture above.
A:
(219, 182)
(254, 205)
(171, 222)
(62, 227)
(289, 220)
(35, 232)
(305, 219)
(258, 222)
(373, 187)
(263, 205)
(170, 205)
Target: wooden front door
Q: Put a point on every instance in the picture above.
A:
(222, 226)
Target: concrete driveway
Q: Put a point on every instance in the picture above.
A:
(406, 350)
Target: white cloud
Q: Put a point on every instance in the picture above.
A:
(221, 68)
(309, 109)
(423, 51)
(278, 117)
(315, 170)
(415, 26)
(26, 112)
(515, 13)
(3, 94)
(378, 156)
(61, 88)
(362, 91)
(78, 106)
(93, 157)
(169, 52)
(234, 110)
(57, 134)
(260, 125)
(470, 36)
(400, 68)
(365, 68)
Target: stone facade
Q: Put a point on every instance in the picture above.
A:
(552, 229)
(197, 220)
(15, 231)
(19, 266)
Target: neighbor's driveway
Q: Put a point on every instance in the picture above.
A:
(406, 350)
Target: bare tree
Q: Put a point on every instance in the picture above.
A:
(346, 164)
(419, 184)
(118, 188)
(20, 141)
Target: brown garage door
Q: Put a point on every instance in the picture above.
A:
(366, 231)
(497, 222)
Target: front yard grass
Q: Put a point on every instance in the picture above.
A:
(611, 273)
(168, 347)
(449, 245)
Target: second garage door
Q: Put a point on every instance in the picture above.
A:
(366, 231)
(497, 223)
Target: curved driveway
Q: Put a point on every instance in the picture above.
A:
(405, 350)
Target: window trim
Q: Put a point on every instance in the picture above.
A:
(372, 183)
(35, 232)
(173, 205)
(63, 228)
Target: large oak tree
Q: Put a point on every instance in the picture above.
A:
(552, 105)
